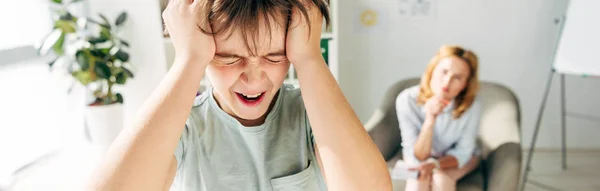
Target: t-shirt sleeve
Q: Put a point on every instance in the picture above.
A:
(311, 137)
(410, 123)
(181, 146)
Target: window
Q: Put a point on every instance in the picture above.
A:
(24, 23)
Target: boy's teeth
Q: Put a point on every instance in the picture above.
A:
(252, 96)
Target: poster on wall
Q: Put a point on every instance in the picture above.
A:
(371, 19)
(417, 8)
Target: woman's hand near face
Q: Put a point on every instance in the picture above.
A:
(435, 105)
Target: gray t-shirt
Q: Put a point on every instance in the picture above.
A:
(216, 152)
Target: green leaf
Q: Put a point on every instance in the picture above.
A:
(105, 50)
(122, 55)
(66, 17)
(121, 78)
(119, 98)
(65, 26)
(57, 1)
(74, 1)
(58, 46)
(96, 40)
(105, 33)
(106, 22)
(98, 53)
(83, 60)
(121, 19)
(128, 72)
(98, 23)
(49, 42)
(102, 70)
(124, 43)
(84, 77)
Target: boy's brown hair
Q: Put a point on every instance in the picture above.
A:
(246, 15)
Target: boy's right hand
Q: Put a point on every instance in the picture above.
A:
(182, 23)
(435, 105)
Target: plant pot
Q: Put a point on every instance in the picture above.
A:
(104, 123)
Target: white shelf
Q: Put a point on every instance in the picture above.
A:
(327, 35)
(291, 81)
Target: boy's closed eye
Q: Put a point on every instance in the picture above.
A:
(227, 59)
(234, 60)
(276, 59)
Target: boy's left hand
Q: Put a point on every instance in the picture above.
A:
(303, 44)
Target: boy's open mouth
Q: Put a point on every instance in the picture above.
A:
(250, 99)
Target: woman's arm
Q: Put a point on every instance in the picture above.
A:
(433, 107)
(350, 159)
(422, 147)
(141, 158)
(409, 121)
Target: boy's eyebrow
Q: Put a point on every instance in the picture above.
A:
(228, 55)
(234, 55)
(277, 53)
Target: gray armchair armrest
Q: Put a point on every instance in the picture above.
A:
(383, 125)
(503, 167)
(384, 134)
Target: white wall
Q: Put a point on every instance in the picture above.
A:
(514, 40)
(37, 115)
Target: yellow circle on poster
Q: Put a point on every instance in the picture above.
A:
(368, 18)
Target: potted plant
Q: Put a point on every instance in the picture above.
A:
(94, 55)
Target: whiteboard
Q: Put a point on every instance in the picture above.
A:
(578, 50)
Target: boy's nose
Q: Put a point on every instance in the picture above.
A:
(254, 74)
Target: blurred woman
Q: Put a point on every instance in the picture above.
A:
(439, 120)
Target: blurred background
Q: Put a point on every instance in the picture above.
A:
(73, 72)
